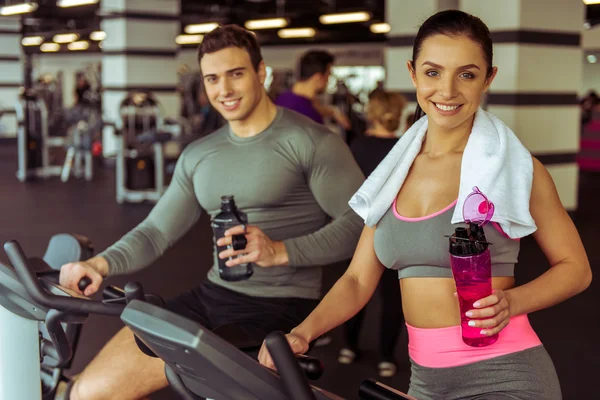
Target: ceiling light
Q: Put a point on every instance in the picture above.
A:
(266, 23)
(75, 3)
(32, 41)
(15, 9)
(383, 27)
(65, 37)
(592, 59)
(50, 47)
(296, 33)
(98, 35)
(591, 1)
(189, 39)
(344, 18)
(201, 28)
(79, 45)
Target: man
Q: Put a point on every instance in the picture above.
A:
(290, 175)
(314, 69)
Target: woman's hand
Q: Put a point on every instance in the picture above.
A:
(298, 344)
(491, 313)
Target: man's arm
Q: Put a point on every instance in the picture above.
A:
(174, 214)
(333, 177)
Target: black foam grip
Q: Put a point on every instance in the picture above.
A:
(84, 283)
(294, 380)
(312, 367)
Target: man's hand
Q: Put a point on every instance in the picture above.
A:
(260, 249)
(95, 269)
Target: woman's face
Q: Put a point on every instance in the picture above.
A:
(450, 75)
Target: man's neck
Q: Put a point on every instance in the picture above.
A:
(304, 89)
(261, 117)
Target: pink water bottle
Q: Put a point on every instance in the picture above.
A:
(471, 264)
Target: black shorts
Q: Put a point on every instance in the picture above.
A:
(231, 314)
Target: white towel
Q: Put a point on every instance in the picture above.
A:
(494, 160)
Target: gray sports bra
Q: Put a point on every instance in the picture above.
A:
(417, 247)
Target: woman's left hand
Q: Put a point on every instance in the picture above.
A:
(491, 313)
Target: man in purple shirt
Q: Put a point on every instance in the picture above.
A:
(314, 69)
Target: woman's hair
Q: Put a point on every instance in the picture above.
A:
(386, 108)
(454, 23)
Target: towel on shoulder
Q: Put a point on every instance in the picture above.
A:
(494, 160)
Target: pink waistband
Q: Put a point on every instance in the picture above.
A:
(443, 347)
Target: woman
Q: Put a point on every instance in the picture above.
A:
(383, 113)
(451, 68)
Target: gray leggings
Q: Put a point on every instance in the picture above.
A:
(524, 375)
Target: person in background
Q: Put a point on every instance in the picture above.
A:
(314, 69)
(383, 113)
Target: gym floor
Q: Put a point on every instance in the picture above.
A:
(33, 212)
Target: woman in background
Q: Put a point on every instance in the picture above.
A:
(384, 111)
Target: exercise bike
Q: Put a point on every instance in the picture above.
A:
(34, 345)
(198, 363)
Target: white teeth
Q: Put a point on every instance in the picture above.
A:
(446, 108)
(230, 103)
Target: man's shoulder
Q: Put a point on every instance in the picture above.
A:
(297, 127)
(196, 148)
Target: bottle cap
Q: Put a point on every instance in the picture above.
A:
(227, 203)
(477, 208)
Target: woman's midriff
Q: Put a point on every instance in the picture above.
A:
(430, 302)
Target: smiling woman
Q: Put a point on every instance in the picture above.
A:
(408, 205)
(457, 84)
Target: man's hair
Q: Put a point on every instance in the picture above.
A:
(231, 36)
(314, 62)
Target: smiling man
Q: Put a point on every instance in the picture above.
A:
(290, 175)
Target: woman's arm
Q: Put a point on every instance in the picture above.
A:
(349, 294)
(570, 271)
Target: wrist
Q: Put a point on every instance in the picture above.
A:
(100, 264)
(301, 332)
(281, 255)
(512, 304)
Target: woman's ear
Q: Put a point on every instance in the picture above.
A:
(489, 79)
(411, 71)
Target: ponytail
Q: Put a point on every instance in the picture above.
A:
(418, 114)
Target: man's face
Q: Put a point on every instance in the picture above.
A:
(232, 85)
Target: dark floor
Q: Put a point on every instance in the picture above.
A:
(32, 212)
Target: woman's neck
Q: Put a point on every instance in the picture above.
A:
(440, 141)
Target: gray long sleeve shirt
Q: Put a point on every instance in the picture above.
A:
(290, 179)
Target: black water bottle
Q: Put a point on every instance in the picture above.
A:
(229, 217)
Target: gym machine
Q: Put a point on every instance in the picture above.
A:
(198, 363)
(35, 348)
(85, 121)
(141, 134)
(33, 139)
